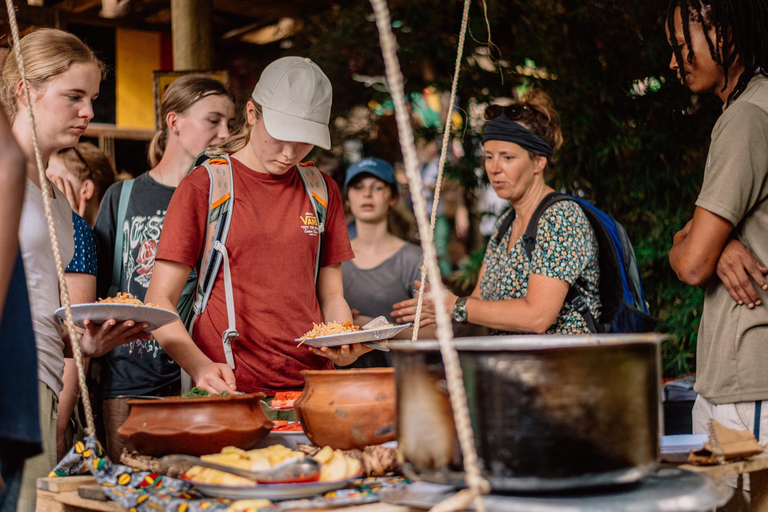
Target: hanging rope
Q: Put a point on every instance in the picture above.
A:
(441, 164)
(477, 485)
(46, 191)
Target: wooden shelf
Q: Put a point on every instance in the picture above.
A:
(116, 132)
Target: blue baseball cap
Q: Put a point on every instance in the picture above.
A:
(373, 166)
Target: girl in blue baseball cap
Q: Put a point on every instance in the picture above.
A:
(385, 267)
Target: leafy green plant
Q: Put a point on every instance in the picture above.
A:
(635, 139)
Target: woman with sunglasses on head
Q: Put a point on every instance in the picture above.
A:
(196, 113)
(516, 294)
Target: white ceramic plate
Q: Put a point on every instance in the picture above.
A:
(335, 340)
(273, 492)
(676, 448)
(99, 313)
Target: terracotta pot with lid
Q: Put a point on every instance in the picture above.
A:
(348, 409)
(195, 426)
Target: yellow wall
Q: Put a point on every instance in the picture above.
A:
(137, 56)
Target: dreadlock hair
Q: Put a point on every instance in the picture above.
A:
(741, 29)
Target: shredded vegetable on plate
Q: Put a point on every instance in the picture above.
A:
(329, 329)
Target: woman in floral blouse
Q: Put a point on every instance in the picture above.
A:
(515, 293)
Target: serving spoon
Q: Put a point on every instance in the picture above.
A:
(290, 471)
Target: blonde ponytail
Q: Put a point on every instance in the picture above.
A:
(238, 140)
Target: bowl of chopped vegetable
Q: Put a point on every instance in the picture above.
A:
(195, 424)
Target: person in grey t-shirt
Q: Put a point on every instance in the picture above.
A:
(385, 266)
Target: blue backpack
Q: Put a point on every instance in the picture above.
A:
(623, 307)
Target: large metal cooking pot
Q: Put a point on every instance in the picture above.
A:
(548, 412)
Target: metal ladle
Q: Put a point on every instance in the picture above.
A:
(290, 471)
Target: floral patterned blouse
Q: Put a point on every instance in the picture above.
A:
(566, 248)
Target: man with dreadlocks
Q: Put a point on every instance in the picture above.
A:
(721, 47)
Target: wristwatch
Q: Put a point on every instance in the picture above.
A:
(460, 310)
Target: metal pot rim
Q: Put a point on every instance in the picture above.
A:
(532, 342)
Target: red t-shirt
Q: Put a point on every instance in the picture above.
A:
(272, 248)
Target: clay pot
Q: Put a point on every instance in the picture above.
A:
(347, 409)
(195, 426)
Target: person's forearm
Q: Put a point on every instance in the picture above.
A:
(168, 279)
(692, 270)
(514, 315)
(687, 267)
(176, 342)
(67, 403)
(335, 309)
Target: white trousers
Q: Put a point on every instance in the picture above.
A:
(738, 416)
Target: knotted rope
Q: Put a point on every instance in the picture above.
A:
(477, 485)
(46, 191)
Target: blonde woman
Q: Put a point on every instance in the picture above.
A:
(64, 77)
(196, 113)
(272, 245)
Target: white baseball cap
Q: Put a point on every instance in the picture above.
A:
(295, 96)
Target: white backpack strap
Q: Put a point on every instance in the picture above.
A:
(317, 191)
(231, 332)
(220, 206)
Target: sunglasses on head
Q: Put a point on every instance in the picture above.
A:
(514, 112)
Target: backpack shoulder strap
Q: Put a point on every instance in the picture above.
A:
(573, 297)
(220, 205)
(529, 237)
(505, 225)
(318, 194)
(117, 259)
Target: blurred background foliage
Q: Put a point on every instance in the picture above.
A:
(635, 139)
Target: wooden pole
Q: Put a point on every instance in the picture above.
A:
(192, 34)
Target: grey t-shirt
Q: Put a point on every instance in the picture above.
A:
(731, 357)
(374, 291)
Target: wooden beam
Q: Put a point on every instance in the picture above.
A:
(110, 8)
(192, 34)
(109, 130)
(265, 10)
(32, 15)
(53, 17)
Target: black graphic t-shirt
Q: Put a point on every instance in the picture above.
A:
(140, 367)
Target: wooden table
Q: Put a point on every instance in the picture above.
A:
(83, 494)
(756, 467)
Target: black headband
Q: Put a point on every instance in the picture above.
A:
(504, 129)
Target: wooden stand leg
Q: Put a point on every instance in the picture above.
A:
(758, 487)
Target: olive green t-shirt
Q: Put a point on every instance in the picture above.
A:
(732, 354)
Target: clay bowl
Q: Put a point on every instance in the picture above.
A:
(347, 409)
(195, 426)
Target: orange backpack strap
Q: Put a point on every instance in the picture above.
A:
(220, 203)
(318, 193)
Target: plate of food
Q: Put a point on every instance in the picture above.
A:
(284, 400)
(272, 492)
(122, 307)
(334, 334)
(287, 428)
(336, 472)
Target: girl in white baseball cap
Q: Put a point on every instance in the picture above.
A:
(272, 245)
